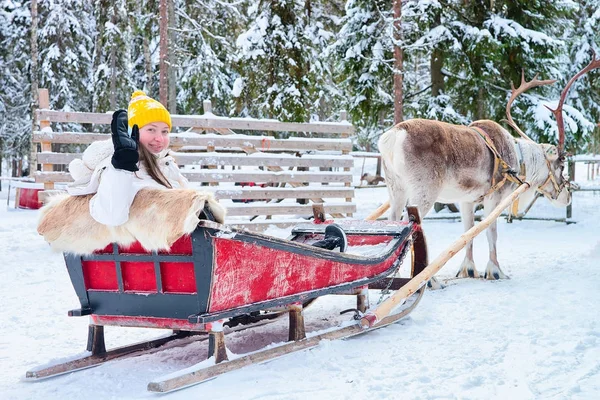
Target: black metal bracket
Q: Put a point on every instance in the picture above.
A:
(80, 312)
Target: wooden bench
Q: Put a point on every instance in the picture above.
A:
(211, 154)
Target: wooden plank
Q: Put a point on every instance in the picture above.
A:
(69, 137)
(208, 122)
(230, 176)
(229, 141)
(52, 177)
(303, 192)
(266, 177)
(237, 210)
(264, 160)
(227, 159)
(56, 158)
(260, 226)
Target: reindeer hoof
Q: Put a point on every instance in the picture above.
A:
(467, 270)
(435, 284)
(493, 272)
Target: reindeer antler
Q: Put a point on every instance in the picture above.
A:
(524, 86)
(558, 112)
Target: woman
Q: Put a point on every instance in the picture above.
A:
(116, 170)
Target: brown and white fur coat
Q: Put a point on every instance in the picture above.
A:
(430, 161)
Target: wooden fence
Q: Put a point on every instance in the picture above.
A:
(289, 173)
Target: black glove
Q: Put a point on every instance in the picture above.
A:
(126, 154)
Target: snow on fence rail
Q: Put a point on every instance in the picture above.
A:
(211, 153)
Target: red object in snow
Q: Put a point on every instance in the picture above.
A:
(28, 198)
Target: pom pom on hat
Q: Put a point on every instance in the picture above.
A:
(143, 110)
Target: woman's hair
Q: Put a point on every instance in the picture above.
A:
(152, 167)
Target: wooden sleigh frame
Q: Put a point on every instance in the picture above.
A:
(220, 276)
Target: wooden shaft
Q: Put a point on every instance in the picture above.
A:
(379, 212)
(397, 298)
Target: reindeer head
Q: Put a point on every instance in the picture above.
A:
(556, 187)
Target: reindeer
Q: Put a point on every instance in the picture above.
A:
(429, 161)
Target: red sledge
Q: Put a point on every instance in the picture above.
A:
(220, 277)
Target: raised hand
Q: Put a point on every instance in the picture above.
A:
(126, 154)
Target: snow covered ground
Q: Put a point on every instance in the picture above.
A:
(535, 336)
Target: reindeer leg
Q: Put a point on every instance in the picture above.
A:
(493, 271)
(397, 201)
(467, 268)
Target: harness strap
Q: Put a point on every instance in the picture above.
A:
(499, 165)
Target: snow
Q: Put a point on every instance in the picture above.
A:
(536, 335)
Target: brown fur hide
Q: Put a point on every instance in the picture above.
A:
(157, 218)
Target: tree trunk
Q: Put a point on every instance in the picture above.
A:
(398, 77)
(436, 63)
(98, 56)
(113, 66)
(172, 59)
(164, 53)
(34, 87)
(481, 102)
(148, 62)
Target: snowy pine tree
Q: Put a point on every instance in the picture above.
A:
(429, 42)
(281, 73)
(364, 51)
(143, 23)
(207, 30)
(111, 61)
(65, 43)
(582, 107)
(15, 89)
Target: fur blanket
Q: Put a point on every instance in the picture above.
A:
(157, 218)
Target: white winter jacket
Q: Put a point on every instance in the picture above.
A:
(114, 188)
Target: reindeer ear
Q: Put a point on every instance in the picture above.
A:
(551, 151)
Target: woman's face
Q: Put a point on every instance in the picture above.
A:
(155, 137)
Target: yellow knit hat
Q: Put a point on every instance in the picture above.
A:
(144, 110)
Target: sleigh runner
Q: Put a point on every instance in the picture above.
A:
(219, 276)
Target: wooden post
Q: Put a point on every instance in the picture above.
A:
(216, 343)
(344, 116)
(296, 331)
(571, 169)
(207, 105)
(44, 99)
(384, 309)
(17, 196)
(362, 299)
